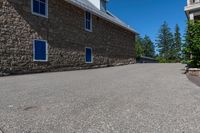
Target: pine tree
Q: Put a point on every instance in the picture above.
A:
(149, 48)
(165, 42)
(144, 47)
(177, 43)
(139, 47)
(192, 47)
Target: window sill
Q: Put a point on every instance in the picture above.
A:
(40, 15)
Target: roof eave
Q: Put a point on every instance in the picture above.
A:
(82, 7)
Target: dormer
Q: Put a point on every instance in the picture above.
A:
(100, 4)
(193, 9)
(191, 2)
(103, 5)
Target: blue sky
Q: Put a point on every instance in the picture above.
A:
(146, 16)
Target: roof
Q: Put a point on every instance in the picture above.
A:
(149, 58)
(86, 5)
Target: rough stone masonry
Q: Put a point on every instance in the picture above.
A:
(64, 31)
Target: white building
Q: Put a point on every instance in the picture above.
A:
(193, 9)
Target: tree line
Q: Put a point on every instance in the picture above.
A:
(168, 45)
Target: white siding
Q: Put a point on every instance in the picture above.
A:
(96, 3)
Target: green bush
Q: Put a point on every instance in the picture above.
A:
(162, 60)
(185, 62)
(193, 44)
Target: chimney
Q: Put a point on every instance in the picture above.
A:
(100, 4)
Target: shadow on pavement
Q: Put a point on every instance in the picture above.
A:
(194, 79)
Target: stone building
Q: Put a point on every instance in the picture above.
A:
(193, 9)
(54, 35)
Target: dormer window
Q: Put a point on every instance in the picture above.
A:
(40, 7)
(100, 4)
(190, 2)
(88, 21)
(103, 5)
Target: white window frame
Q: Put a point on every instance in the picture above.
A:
(38, 14)
(35, 60)
(91, 55)
(85, 21)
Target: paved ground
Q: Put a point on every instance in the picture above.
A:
(152, 98)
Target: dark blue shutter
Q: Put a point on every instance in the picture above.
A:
(40, 50)
(42, 8)
(88, 55)
(44, 1)
(36, 6)
(88, 20)
(88, 25)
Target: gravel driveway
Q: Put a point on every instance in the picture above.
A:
(151, 98)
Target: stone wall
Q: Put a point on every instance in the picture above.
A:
(67, 39)
(193, 71)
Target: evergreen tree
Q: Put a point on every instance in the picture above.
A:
(149, 48)
(186, 42)
(165, 42)
(192, 47)
(177, 43)
(139, 47)
(144, 47)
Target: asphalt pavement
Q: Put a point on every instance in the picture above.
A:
(139, 98)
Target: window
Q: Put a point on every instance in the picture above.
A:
(196, 1)
(40, 7)
(40, 50)
(88, 55)
(103, 5)
(88, 21)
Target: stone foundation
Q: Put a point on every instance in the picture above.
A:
(194, 71)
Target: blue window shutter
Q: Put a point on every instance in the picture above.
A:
(36, 6)
(87, 15)
(42, 8)
(88, 25)
(88, 55)
(44, 1)
(40, 50)
(88, 21)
